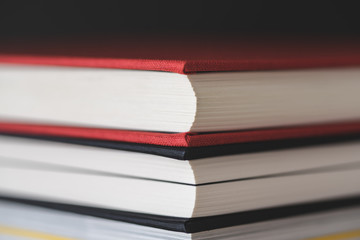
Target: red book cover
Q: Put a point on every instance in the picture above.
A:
(185, 56)
(183, 139)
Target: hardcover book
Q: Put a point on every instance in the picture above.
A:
(176, 87)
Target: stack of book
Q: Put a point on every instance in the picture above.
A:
(121, 141)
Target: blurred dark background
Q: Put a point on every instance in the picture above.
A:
(68, 18)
